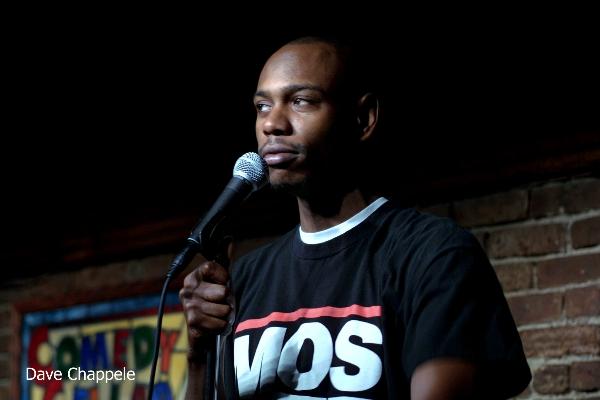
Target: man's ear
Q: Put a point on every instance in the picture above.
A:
(368, 113)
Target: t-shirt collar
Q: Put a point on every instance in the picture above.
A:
(341, 228)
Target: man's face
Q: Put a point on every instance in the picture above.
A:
(297, 121)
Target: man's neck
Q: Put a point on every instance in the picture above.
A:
(319, 215)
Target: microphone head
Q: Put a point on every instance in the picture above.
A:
(252, 168)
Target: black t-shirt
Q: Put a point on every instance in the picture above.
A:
(354, 316)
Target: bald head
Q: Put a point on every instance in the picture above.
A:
(316, 65)
(342, 64)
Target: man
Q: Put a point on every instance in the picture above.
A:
(365, 299)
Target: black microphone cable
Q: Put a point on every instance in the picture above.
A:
(177, 265)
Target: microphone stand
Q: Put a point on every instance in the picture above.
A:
(210, 390)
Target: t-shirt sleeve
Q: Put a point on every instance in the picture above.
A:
(456, 308)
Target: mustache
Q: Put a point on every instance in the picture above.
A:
(297, 147)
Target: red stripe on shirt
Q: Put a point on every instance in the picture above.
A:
(335, 312)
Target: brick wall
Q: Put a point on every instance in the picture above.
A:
(544, 242)
(6, 340)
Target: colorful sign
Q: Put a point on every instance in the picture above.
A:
(103, 351)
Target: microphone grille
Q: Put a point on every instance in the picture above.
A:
(252, 168)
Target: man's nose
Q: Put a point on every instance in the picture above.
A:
(277, 122)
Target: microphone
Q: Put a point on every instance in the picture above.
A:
(250, 173)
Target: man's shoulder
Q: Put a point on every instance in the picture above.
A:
(410, 225)
(421, 224)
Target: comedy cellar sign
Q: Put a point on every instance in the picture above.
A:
(103, 351)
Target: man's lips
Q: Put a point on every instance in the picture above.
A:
(276, 155)
(275, 159)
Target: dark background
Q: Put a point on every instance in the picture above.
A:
(112, 125)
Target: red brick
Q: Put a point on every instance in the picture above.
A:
(529, 309)
(526, 241)
(551, 379)
(4, 368)
(582, 195)
(493, 209)
(556, 342)
(585, 376)
(516, 276)
(441, 210)
(586, 233)
(547, 200)
(559, 198)
(5, 341)
(5, 317)
(582, 302)
(561, 271)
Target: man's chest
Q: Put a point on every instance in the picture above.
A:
(311, 332)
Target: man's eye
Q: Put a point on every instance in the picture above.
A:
(261, 107)
(298, 101)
